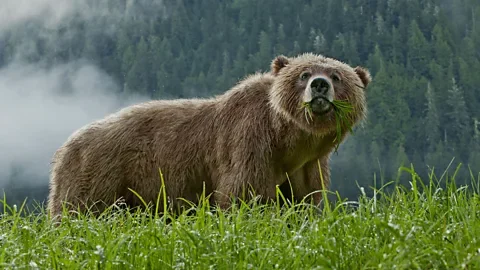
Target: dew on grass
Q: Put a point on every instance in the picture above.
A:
(412, 232)
(394, 226)
(33, 265)
(297, 237)
(99, 250)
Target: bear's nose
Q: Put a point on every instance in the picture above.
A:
(320, 86)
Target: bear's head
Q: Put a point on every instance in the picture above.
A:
(314, 82)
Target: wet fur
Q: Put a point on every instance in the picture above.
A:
(252, 135)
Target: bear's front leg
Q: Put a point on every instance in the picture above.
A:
(245, 182)
(306, 183)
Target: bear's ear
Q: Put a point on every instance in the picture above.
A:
(364, 75)
(278, 63)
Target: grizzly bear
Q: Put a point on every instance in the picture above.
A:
(255, 135)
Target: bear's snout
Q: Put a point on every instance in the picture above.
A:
(319, 94)
(320, 86)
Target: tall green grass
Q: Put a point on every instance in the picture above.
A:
(422, 226)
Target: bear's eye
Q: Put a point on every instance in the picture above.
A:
(335, 77)
(305, 75)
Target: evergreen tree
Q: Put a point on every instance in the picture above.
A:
(264, 52)
(224, 79)
(376, 60)
(431, 121)
(397, 47)
(128, 59)
(459, 125)
(418, 49)
(319, 43)
(281, 38)
(442, 51)
(138, 76)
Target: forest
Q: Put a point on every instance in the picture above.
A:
(424, 100)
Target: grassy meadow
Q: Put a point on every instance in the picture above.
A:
(422, 226)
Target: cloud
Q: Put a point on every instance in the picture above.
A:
(40, 107)
(15, 12)
(51, 13)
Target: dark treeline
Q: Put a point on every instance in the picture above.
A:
(424, 57)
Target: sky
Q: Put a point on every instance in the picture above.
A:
(41, 106)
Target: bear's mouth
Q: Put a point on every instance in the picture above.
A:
(321, 105)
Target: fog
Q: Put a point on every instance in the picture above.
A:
(51, 13)
(40, 108)
(41, 105)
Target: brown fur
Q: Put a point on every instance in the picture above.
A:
(252, 135)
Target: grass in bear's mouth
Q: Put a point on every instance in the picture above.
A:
(342, 110)
(307, 108)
